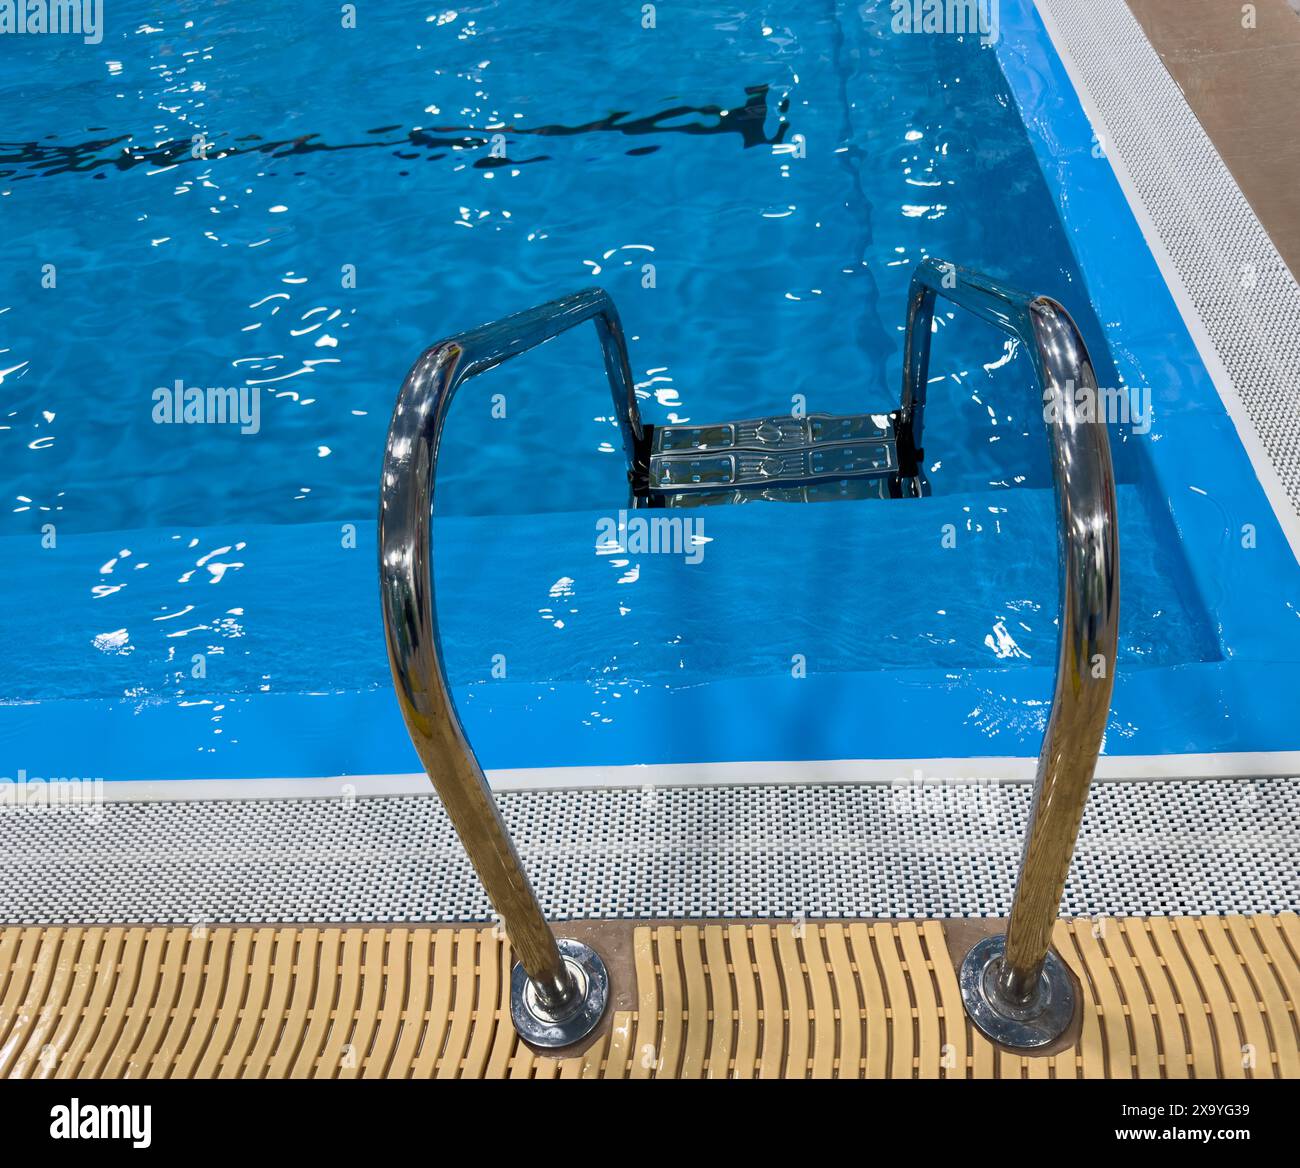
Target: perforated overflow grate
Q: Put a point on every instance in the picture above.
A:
(941, 850)
(1247, 298)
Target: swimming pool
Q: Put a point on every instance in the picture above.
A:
(755, 193)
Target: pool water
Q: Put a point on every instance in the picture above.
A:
(258, 197)
(368, 154)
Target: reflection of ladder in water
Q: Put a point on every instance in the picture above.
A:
(1014, 988)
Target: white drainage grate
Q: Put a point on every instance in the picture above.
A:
(940, 849)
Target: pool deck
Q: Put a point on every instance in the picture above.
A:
(1240, 83)
(1162, 999)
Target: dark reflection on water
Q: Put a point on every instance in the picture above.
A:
(97, 156)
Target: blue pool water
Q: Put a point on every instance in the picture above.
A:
(774, 275)
(754, 190)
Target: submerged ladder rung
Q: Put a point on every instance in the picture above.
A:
(772, 453)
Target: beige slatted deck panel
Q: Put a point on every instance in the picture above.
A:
(1163, 998)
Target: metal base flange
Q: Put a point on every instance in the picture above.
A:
(539, 1026)
(1038, 1023)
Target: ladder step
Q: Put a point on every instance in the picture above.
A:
(764, 453)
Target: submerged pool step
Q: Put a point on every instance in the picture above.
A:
(794, 459)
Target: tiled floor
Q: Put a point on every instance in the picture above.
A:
(1241, 76)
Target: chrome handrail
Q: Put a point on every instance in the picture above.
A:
(558, 990)
(1015, 989)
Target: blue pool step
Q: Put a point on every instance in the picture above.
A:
(955, 581)
(590, 638)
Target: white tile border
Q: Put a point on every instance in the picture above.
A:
(1119, 768)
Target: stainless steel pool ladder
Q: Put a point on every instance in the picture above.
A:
(1015, 989)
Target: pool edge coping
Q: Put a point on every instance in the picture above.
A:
(991, 770)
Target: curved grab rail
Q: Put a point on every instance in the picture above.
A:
(1088, 547)
(1015, 990)
(410, 613)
